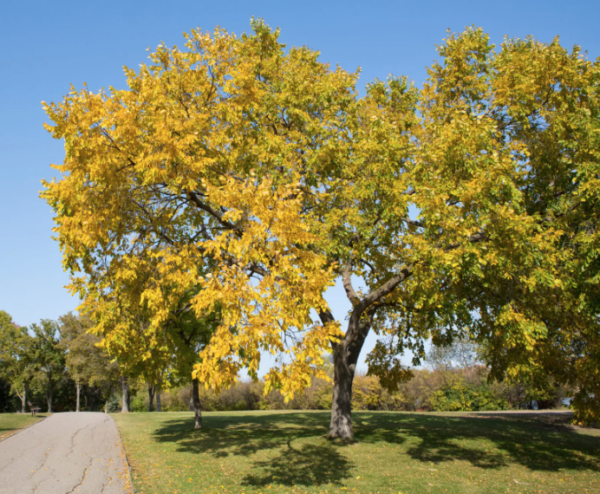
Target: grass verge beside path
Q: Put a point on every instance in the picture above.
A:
(285, 452)
(11, 423)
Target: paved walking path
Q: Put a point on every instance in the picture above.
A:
(67, 453)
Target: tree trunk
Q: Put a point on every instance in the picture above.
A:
(125, 388)
(345, 356)
(151, 393)
(158, 403)
(196, 405)
(49, 399)
(341, 407)
(106, 407)
(23, 398)
(78, 387)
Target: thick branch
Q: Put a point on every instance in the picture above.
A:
(326, 316)
(473, 239)
(215, 214)
(384, 289)
(347, 280)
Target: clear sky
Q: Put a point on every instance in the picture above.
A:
(48, 45)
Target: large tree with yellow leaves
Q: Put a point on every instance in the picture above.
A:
(255, 177)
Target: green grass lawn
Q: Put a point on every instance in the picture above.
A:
(286, 452)
(13, 422)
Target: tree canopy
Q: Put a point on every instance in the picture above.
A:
(253, 177)
(87, 364)
(16, 362)
(48, 357)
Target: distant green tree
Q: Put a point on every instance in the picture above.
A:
(6, 404)
(87, 364)
(16, 357)
(48, 357)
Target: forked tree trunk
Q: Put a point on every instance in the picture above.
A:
(125, 388)
(347, 350)
(345, 356)
(23, 398)
(151, 393)
(196, 404)
(78, 387)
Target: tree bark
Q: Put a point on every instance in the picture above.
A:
(78, 387)
(23, 398)
(158, 403)
(341, 407)
(125, 388)
(345, 357)
(151, 393)
(196, 404)
(49, 399)
(346, 351)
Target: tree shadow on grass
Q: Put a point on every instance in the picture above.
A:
(306, 465)
(528, 442)
(291, 449)
(243, 435)
(297, 452)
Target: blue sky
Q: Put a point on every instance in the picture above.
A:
(49, 45)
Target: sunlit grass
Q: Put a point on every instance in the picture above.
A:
(13, 422)
(286, 452)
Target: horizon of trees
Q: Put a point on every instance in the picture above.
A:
(61, 363)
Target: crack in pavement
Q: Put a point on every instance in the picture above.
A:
(73, 438)
(83, 477)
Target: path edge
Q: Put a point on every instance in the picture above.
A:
(124, 456)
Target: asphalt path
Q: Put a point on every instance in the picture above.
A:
(67, 453)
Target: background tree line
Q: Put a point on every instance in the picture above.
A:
(53, 363)
(65, 366)
(429, 390)
(59, 363)
(455, 380)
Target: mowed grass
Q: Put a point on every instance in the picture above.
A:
(286, 452)
(13, 422)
